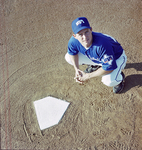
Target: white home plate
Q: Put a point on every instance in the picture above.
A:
(49, 111)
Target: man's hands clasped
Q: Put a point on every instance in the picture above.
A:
(81, 76)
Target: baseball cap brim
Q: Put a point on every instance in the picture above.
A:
(81, 28)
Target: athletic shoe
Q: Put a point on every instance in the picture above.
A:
(91, 68)
(118, 88)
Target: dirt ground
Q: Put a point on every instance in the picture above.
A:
(34, 37)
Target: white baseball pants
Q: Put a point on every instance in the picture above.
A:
(112, 79)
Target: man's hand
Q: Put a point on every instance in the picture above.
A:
(78, 74)
(81, 76)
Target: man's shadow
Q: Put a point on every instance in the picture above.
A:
(135, 79)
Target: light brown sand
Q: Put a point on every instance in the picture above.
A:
(34, 37)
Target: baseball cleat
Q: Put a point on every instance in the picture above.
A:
(91, 68)
(118, 88)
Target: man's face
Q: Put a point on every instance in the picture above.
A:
(84, 37)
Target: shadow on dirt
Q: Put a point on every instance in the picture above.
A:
(135, 79)
(137, 66)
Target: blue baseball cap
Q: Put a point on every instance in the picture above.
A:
(79, 24)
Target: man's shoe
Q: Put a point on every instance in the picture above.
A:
(91, 68)
(118, 88)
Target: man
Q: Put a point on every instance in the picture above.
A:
(101, 52)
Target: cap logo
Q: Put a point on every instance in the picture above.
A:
(79, 22)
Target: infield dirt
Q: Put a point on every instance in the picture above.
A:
(34, 38)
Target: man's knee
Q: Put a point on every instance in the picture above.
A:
(110, 81)
(67, 58)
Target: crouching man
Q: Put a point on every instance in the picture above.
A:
(102, 53)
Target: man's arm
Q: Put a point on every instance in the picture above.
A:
(80, 76)
(74, 60)
(86, 76)
(99, 72)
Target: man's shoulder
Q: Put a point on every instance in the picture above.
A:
(96, 33)
(73, 41)
(99, 35)
(103, 37)
(98, 38)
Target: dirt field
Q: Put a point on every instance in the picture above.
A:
(34, 37)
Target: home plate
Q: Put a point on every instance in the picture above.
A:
(49, 111)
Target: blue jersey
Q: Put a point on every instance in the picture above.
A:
(104, 50)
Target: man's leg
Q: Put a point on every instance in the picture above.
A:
(116, 77)
(113, 79)
(83, 60)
